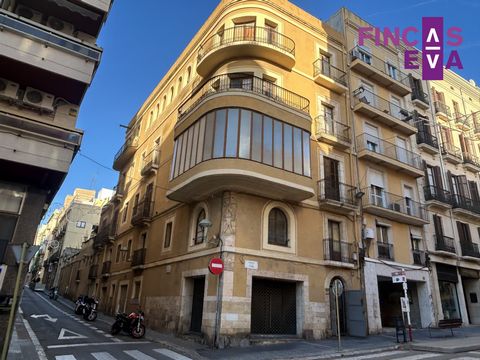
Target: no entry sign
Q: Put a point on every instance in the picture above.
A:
(216, 266)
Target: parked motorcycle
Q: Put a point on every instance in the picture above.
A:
(80, 305)
(90, 309)
(131, 324)
(53, 294)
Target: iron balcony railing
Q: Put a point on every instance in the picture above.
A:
(138, 257)
(106, 267)
(151, 160)
(419, 257)
(449, 149)
(380, 198)
(359, 53)
(244, 84)
(47, 37)
(337, 250)
(424, 137)
(92, 272)
(460, 118)
(471, 159)
(323, 67)
(420, 95)
(385, 251)
(463, 202)
(142, 211)
(131, 141)
(469, 249)
(441, 107)
(365, 96)
(329, 189)
(444, 243)
(374, 144)
(326, 124)
(437, 194)
(251, 34)
(107, 231)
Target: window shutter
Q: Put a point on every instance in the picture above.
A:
(473, 190)
(437, 175)
(437, 223)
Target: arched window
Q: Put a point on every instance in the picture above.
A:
(164, 103)
(200, 231)
(189, 74)
(277, 227)
(172, 94)
(179, 85)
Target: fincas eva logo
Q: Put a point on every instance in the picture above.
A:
(433, 45)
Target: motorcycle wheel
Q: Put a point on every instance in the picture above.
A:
(138, 332)
(90, 316)
(115, 329)
(78, 310)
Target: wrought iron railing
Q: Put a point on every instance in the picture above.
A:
(424, 137)
(444, 243)
(374, 144)
(251, 34)
(337, 250)
(329, 189)
(367, 97)
(142, 211)
(452, 150)
(323, 67)
(437, 194)
(131, 141)
(420, 95)
(463, 202)
(245, 83)
(441, 107)
(326, 124)
(386, 200)
(151, 160)
(469, 249)
(385, 251)
(468, 158)
(359, 53)
(138, 257)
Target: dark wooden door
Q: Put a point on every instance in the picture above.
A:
(197, 304)
(332, 184)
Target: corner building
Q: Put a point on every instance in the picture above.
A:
(248, 131)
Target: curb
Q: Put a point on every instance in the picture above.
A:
(452, 350)
(343, 353)
(181, 350)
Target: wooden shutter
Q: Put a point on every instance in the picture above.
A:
(437, 175)
(450, 182)
(474, 195)
(463, 185)
(437, 223)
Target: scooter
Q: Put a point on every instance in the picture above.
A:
(53, 294)
(131, 324)
(90, 309)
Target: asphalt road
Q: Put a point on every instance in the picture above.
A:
(62, 335)
(413, 355)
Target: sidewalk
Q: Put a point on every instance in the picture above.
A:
(22, 346)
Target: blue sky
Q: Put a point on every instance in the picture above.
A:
(141, 40)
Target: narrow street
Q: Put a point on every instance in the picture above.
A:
(65, 336)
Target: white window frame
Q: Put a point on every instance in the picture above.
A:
(292, 228)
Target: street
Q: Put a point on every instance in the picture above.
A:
(62, 335)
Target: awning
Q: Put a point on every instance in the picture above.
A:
(75, 8)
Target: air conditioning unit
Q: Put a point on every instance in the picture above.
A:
(60, 25)
(29, 13)
(8, 89)
(368, 233)
(38, 99)
(85, 37)
(395, 207)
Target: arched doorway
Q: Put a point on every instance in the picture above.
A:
(337, 284)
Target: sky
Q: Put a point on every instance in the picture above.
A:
(142, 39)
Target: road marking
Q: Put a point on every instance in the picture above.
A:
(44, 316)
(474, 352)
(116, 340)
(97, 344)
(103, 356)
(421, 356)
(74, 335)
(138, 355)
(65, 357)
(171, 354)
(369, 356)
(36, 343)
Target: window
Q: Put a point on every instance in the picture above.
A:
(271, 30)
(277, 227)
(200, 231)
(164, 102)
(81, 224)
(119, 251)
(383, 243)
(125, 212)
(172, 94)
(137, 285)
(11, 198)
(168, 235)
(392, 71)
(377, 195)
(364, 55)
(189, 74)
(129, 250)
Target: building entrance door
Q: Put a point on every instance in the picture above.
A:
(197, 304)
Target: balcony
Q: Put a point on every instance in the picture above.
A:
(70, 61)
(451, 154)
(239, 90)
(419, 257)
(385, 251)
(142, 213)
(245, 42)
(150, 163)
(394, 207)
(138, 258)
(471, 162)
(337, 197)
(420, 99)
(376, 108)
(329, 76)
(332, 132)
(375, 69)
(119, 191)
(92, 272)
(437, 197)
(106, 233)
(103, 5)
(442, 110)
(466, 207)
(445, 244)
(427, 142)
(470, 250)
(338, 251)
(461, 121)
(106, 268)
(125, 153)
(390, 155)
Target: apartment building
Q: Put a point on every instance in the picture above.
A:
(452, 194)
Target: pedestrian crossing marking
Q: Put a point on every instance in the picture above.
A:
(421, 356)
(138, 355)
(171, 354)
(65, 357)
(103, 356)
(378, 355)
